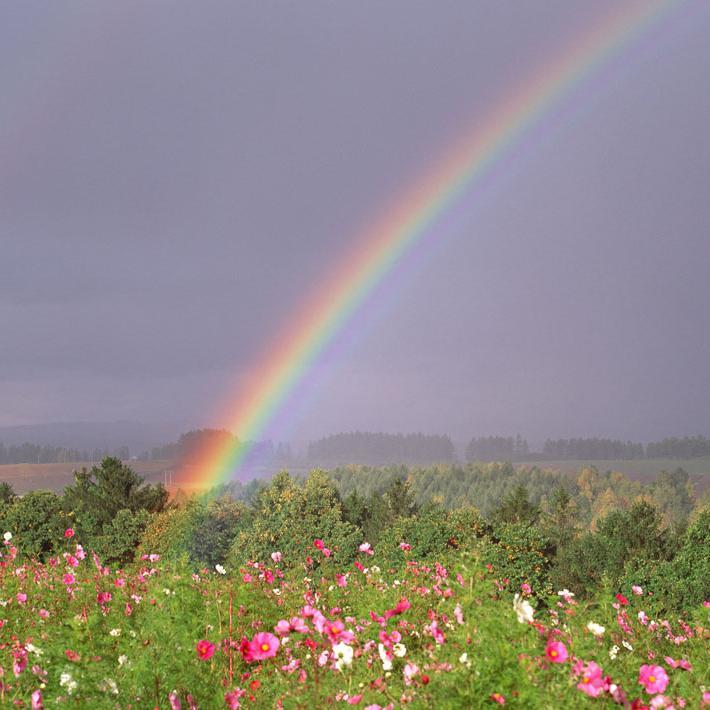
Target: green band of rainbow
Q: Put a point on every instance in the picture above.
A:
(376, 253)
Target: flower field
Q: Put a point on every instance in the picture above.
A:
(311, 633)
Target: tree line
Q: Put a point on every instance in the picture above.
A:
(369, 447)
(541, 529)
(34, 453)
(501, 448)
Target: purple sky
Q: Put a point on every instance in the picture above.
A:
(175, 176)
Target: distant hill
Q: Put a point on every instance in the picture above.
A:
(138, 436)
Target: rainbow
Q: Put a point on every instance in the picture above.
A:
(297, 350)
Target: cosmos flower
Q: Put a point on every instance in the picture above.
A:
(523, 609)
(343, 655)
(205, 650)
(556, 651)
(653, 678)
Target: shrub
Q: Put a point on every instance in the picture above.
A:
(523, 554)
(37, 522)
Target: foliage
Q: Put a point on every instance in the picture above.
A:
(215, 526)
(7, 493)
(444, 634)
(37, 522)
(100, 493)
(287, 516)
(521, 553)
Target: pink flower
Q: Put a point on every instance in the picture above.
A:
(592, 682)
(276, 557)
(19, 660)
(103, 597)
(638, 591)
(342, 580)
(556, 651)
(336, 633)
(437, 633)
(264, 645)
(458, 614)
(318, 544)
(354, 699)
(498, 698)
(405, 546)
(295, 624)
(174, 701)
(409, 671)
(400, 607)
(43, 614)
(622, 599)
(69, 532)
(366, 548)
(327, 552)
(36, 699)
(683, 663)
(205, 649)
(653, 678)
(68, 579)
(526, 588)
(232, 699)
(21, 597)
(72, 561)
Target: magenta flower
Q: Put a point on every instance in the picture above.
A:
(69, 532)
(653, 678)
(205, 650)
(556, 652)
(592, 682)
(36, 699)
(264, 645)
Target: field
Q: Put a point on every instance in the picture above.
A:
(25, 477)
(311, 633)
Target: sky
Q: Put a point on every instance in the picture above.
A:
(175, 178)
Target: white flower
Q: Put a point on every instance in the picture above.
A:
(115, 632)
(565, 594)
(463, 659)
(399, 650)
(108, 685)
(375, 569)
(277, 592)
(66, 681)
(386, 660)
(627, 645)
(523, 609)
(343, 655)
(33, 649)
(8, 536)
(596, 629)
(167, 592)
(613, 652)
(122, 660)
(220, 569)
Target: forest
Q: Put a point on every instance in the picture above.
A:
(411, 578)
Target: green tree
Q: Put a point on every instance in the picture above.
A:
(517, 508)
(7, 493)
(37, 523)
(100, 493)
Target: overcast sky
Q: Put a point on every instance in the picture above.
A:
(176, 176)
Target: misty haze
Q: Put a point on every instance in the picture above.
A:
(354, 353)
